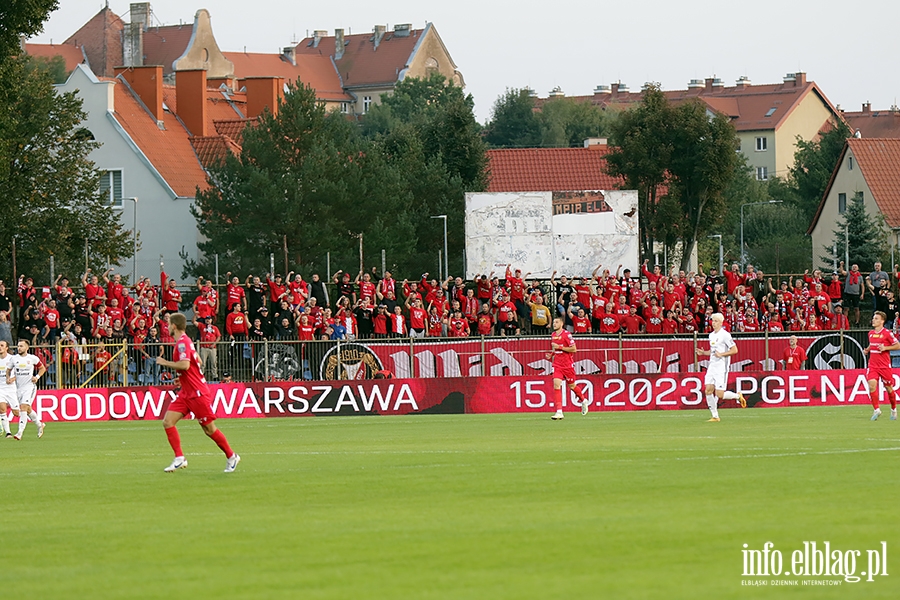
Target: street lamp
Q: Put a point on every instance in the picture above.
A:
(446, 268)
(743, 254)
(134, 243)
(721, 254)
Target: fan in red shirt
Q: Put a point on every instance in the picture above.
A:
(398, 323)
(277, 289)
(751, 322)
(794, 355)
(609, 323)
(581, 323)
(670, 324)
(654, 320)
(236, 325)
(733, 278)
(839, 321)
(881, 343)
(562, 354)
(459, 326)
(687, 322)
(418, 318)
(234, 294)
(484, 288)
(171, 297)
(93, 291)
(299, 289)
(306, 331)
(485, 321)
(193, 397)
(632, 323)
(114, 288)
(435, 322)
(366, 287)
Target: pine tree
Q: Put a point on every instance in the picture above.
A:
(868, 240)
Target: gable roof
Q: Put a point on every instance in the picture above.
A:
(875, 123)
(101, 38)
(746, 105)
(879, 162)
(550, 170)
(362, 64)
(168, 149)
(317, 71)
(70, 53)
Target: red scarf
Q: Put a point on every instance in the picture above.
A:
(853, 277)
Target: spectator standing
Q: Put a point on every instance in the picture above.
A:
(234, 294)
(877, 281)
(854, 292)
(794, 355)
(318, 291)
(256, 295)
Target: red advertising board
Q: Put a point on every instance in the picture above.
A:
(509, 394)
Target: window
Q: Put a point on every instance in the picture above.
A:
(111, 187)
(367, 102)
(761, 144)
(861, 196)
(842, 203)
(849, 163)
(771, 111)
(762, 173)
(345, 108)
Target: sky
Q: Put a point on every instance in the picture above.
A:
(849, 51)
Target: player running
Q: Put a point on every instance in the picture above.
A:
(21, 370)
(7, 387)
(562, 354)
(193, 397)
(721, 349)
(881, 342)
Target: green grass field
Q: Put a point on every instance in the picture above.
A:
(612, 505)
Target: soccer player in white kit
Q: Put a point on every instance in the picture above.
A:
(7, 387)
(721, 349)
(21, 370)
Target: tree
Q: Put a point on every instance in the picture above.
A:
(702, 166)
(50, 188)
(642, 157)
(566, 122)
(513, 122)
(867, 234)
(814, 162)
(428, 133)
(304, 179)
(18, 17)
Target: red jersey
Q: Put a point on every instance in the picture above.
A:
(485, 323)
(276, 291)
(609, 323)
(562, 338)
(669, 326)
(417, 318)
(632, 323)
(516, 286)
(793, 358)
(306, 332)
(398, 324)
(458, 328)
(380, 324)
(115, 291)
(191, 380)
(435, 324)
(51, 317)
(236, 323)
(584, 294)
(598, 306)
(583, 324)
(367, 290)
(879, 359)
(484, 289)
(94, 295)
(234, 294)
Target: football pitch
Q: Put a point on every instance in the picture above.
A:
(612, 505)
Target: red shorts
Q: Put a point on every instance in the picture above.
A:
(201, 406)
(565, 373)
(885, 374)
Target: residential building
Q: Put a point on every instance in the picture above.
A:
(372, 64)
(869, 123)
(869, 167)
(768, 118)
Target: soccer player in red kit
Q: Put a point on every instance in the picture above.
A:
(193, 397)
(881, 342)
(562, 354)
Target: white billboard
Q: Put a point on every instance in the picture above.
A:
(541, 232)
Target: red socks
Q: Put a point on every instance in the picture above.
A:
(219, 438)
(578, 393)
(174, 440)
(892, 398)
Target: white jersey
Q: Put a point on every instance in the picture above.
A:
(6, 389)
(24, 368)
(721, 342)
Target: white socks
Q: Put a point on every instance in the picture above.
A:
(730, 396)
(4, 420)
(23, 421)
(713, 402)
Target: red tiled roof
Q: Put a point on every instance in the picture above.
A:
(362, 64)
(101, 37)
(550, 170)
(71, 54)
(879, 161)
(746, 105)
(164, 45)
(233, 129)
(875, 123)
(311, 69)
(169, 150)
(212, 150)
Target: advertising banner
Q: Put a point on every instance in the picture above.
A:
(459, 395)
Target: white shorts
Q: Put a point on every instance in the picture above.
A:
(9, 397)
(717, 377)
(26, 394)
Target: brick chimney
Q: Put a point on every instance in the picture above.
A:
(338, 44)
(290, 54)
(133, 45)
(140, 13)
(262, 93)
(147, 83)
(614, 90)
(867, 108)
(190, 90)
(379, 33)
(800, 80)
(215, 83)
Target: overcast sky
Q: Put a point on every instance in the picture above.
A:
(849, 50)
